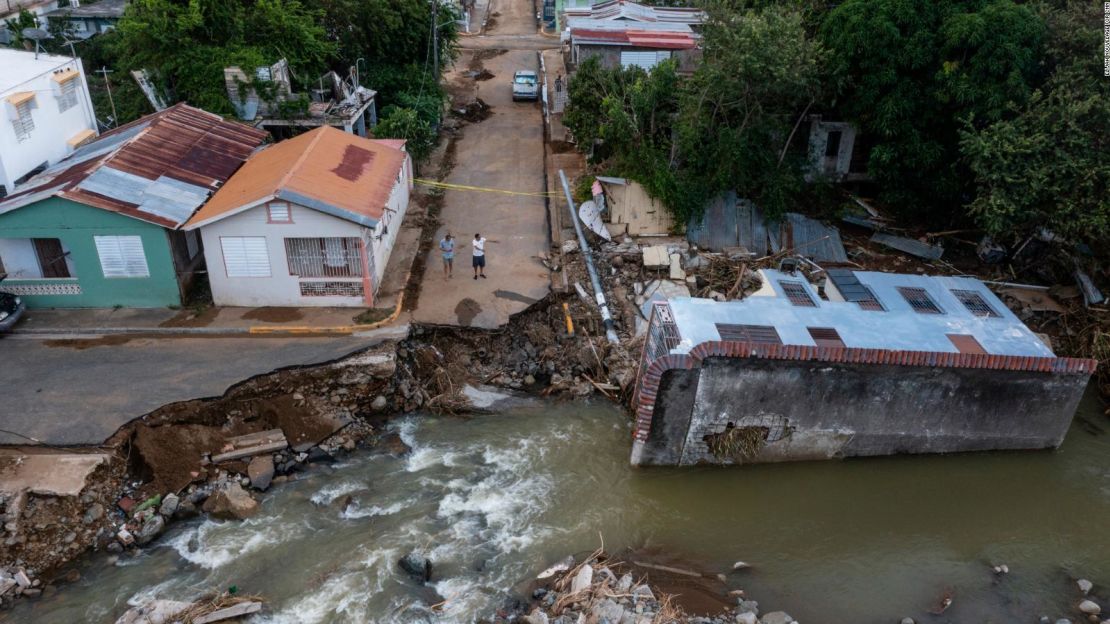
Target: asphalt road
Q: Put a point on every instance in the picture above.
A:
(61, 394)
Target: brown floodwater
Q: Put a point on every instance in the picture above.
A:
(495, 499)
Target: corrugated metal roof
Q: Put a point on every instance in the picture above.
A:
(622, 10)
(158, 169)
(633, 37)
(731, 222)
(326, 169)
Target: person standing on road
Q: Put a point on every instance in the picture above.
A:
(447, 247)
(479, 256)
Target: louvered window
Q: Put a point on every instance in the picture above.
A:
(797, 294)
(67, 99)
(121, 256)
(757, 334)
(23, 123)
(246, 256)
(825, 337)
(975, 303)
(279, 213)
(919, 300)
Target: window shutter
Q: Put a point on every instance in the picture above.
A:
(279, 212)
(646, 60)
(122, 256)
(246, 256)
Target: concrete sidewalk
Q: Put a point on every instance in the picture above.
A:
(211, 320)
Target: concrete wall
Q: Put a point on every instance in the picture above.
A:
(47, 143)
(281, 288)
(822, 410)
(640, 214)
(76, 225)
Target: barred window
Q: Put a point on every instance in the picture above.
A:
(797, 294)
(975, 303)
(324, 257)
(758, 334)
(919, 300)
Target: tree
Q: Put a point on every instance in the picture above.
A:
(911, 73)
(761, 72)
(405, 123)
(189, 42)
(388, 33)
(1049, 166)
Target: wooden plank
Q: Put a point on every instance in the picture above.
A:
(248, 452)
(254, 439)
(239, 610)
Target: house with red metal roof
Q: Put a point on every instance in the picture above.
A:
(623, 43)
(102, 227)
(310, 221)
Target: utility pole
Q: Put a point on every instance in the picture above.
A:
(435, 39)
(107, 83)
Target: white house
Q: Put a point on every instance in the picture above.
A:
(47, 113)
(310, 221)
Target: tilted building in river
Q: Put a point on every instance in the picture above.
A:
(867, 364)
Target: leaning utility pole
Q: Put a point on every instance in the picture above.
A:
(108, 84)
(435, 39)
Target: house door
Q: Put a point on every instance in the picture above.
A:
(51, 258)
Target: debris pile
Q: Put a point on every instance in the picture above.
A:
(602, 590)
(206, 610)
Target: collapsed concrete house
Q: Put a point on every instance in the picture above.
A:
(267, 100)
(867, 364)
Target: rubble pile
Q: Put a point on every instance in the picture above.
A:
(599, 590)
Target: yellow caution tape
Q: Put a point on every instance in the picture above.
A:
(482, 189)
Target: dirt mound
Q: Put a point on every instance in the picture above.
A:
(485, 74)
(274, 315)
(474, 112)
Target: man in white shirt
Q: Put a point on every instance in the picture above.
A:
(479, 256)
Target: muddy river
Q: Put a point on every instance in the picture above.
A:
(495, 499)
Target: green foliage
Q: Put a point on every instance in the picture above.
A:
(405, 123)
(912, 72)
(387, 33)
(760, 74)
(1049, 166)
(189, 42)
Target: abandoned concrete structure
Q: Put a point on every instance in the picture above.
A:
(865, 364)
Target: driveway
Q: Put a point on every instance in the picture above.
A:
(80, 392)
(502, 153)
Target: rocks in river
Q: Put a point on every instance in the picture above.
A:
(152, 528)
(1090, 607)
(231, 502)
(93, 513)
(746, 618)
(379, 403)
(777, 617)
(908, 620)
(393, 444)
(169, 505)
(417, 566)
(1001, 569)
(741, 565)
(261, 471)
(1085, 586)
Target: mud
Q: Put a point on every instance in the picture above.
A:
(81, 344)
(274, 315)
(474, 112)
(467, 310)
(201, 316)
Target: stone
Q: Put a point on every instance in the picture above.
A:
(93, 513)
(114, 547)
(1090, 607)
(245, 481)
(624, 584)
(1085, 586)
(21, 578)
(776, 617)
(908, 620)
(741, 565)
(231, 502)
(746, 618)
(261, 471)
(151, 529)
(582, 580)
(72, 576)
(643, 592)
(185, 509)
(169, 505)
(417, 566)
(317, 455)
(536, 617)
(608, 611)
(379, 403)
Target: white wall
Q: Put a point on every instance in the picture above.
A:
(48, 141)
(394, 214)
(18, 257)
(281, 288)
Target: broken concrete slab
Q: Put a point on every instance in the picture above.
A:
(656, 257)
(153, 612)
(1035, 299)
(47, 472)
(909, 245)
(252, 444)
(676, 267)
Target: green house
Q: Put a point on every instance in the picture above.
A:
(102, 227)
